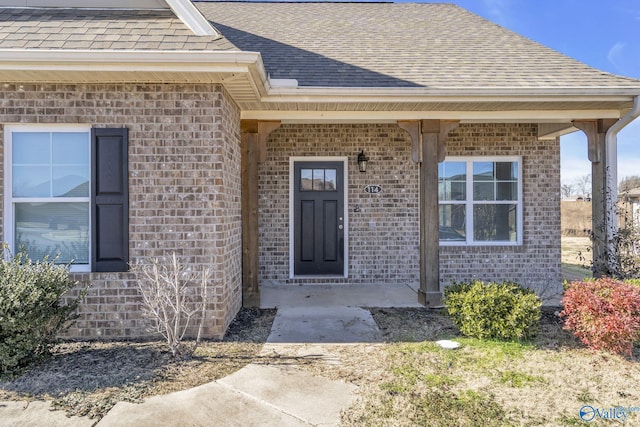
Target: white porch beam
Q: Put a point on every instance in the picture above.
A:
(554, 130)
(524, 116)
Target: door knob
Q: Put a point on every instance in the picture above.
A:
(340, 227)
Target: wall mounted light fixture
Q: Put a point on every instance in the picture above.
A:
(362, 161)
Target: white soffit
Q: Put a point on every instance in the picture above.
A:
(524, 116)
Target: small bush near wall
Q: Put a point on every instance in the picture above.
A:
(30, 313)
(505, 311)
(604, 314)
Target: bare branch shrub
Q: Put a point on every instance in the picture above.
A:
(172, 299)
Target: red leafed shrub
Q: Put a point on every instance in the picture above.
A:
(604, 314)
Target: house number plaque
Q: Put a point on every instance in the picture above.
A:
(373, 189)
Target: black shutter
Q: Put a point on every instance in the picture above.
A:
(109, 200)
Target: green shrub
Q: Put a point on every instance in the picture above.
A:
(30, 312)
(504, 311)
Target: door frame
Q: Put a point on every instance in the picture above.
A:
(298, 159)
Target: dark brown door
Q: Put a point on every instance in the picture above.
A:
(318, 218)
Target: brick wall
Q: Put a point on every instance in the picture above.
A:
(537, 262)
(383, 237)
(184, 184)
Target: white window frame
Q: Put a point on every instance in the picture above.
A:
(469, 202)
(9, 200)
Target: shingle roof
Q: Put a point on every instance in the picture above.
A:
(387, 44)
(435, 46)
(100, 29)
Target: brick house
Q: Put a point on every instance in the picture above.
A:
(237, 141)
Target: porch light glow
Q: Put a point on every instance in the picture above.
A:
(362, 161)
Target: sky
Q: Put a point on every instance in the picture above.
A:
(604, 34)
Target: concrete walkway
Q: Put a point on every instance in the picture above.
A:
(259, 395)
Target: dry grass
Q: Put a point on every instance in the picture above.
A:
(575, 257)
(576, 218)
(543, 382)
(89, 378)
(407, 380)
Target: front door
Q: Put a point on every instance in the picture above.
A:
(318, 210)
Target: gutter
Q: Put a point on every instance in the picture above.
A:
(611, 144)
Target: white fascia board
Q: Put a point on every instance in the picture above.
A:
(192, 18)
(401, 95)
(16, 59)
(510, 116)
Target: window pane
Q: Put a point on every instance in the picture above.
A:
(483, 171)
(70, 148)
(31, 181)
(53, 229)
(70, 181)
(318, 179)
(506, 171)
(452, 181)
(453, 190)
(31, 148)
(330, 183)
(507, 191)
(483, 191)
(495, 223)
(452, 222)
(456, 171)
(306, 179)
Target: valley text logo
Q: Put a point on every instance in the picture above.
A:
(616, 413)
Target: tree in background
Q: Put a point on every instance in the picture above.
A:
(567, 190)
(629, 183)
(582, 185)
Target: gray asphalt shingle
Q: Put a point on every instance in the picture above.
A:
(386, 44)
(326, 44)
(95, 29)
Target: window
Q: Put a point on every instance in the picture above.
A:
(47, 192)
(480, 201)
(318, 180)
(57, 204)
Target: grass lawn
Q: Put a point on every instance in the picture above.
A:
(407, 380)
(490, 383)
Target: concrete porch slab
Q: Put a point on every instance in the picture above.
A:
(280, 296)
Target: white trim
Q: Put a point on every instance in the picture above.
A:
(469, 202)
(9, 129)
(532, 93)
(298, 159)
(507, 116)
(191, 17)
(125, 59)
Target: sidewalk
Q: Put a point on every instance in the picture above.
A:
(258, 395)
